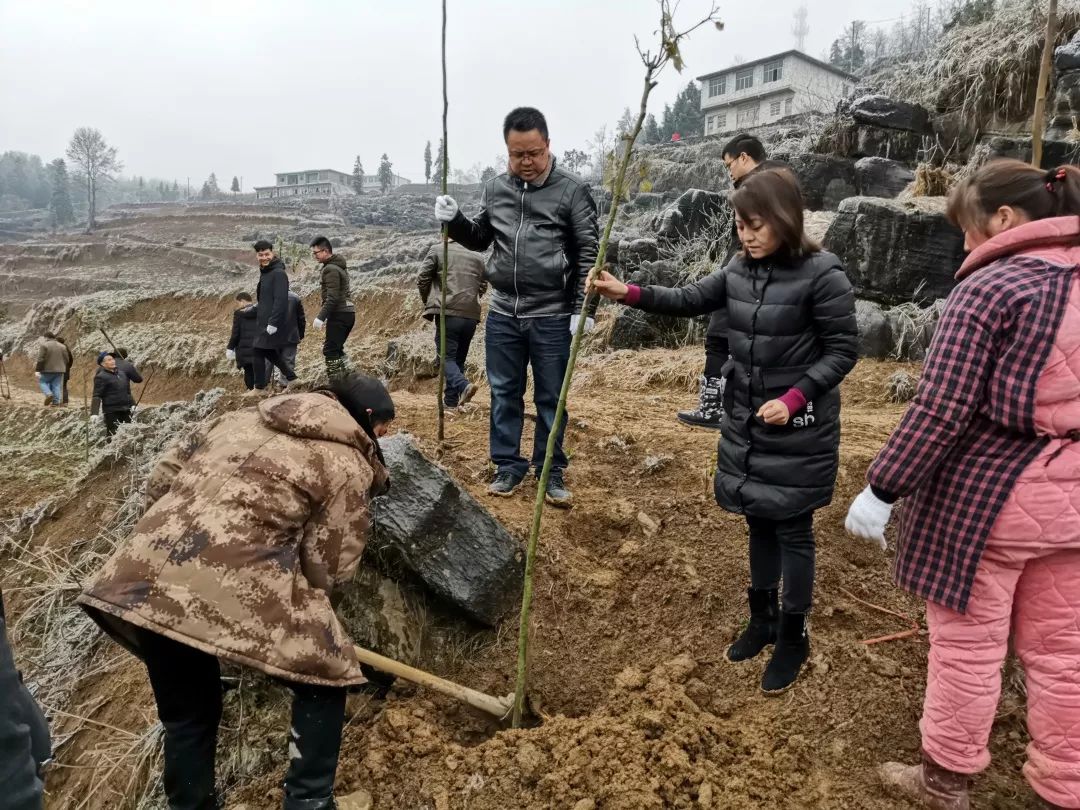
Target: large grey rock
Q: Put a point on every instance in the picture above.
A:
(1065, 105)
(896, 251)
(872, 141)
(664, 272)
(634, 329)
(633, 252)
(825, 179)
(881, 177)
(1067, 56)
(875, 337)
(1056, 151)
(882, 111)
(694, 212)
(430, 528)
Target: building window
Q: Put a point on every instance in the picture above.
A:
(847, 89)
(717, 86)
(709, 123)
(788, 104)
(721, 122)
(744, 79)
(747, 115)
(774, 108)
(774, 70)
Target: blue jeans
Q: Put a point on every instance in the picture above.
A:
(459, 334)
(513, 344)
(52, 385)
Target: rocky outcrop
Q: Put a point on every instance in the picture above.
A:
(1065, 104)
(875, 338)
(695, 211)
(675, 167)
(882, 111)
(825, 179)
(433, 531)
(896, 251)
(903, 332)
(881, 177)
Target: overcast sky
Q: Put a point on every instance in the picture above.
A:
(252, 88)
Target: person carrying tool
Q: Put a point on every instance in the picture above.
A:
(51, 364)
(69, 362)
(250, 523)
(465, 286)
(112, 391)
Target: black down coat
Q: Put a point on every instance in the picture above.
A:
(272, 302)
(244, 328)
(791, 324)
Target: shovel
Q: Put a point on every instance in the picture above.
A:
(497, 706)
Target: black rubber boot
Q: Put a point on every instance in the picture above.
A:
(790, 653)
(761, 629)
(710, 411)
(318, 715)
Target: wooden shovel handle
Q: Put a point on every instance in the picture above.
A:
(499, 707)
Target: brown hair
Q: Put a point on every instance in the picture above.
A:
(773, 195)
(1038, 193)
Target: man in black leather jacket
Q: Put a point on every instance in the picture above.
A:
(541, 221)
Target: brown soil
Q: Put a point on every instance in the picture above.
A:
(639, 589)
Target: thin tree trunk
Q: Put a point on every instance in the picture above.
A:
(445, 246)
(560, 410)
(1038, 123)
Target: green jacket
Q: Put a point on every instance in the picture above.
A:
(335, 287)
(465, 282)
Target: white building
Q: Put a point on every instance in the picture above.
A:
(766, 90)
(372, 182)
(309, 183)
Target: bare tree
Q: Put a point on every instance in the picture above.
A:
(95, 162)
(800, 27)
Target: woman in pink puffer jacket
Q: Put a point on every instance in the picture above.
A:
(987, 459)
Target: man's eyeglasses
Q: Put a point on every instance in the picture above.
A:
(317, 251)
(532, 154)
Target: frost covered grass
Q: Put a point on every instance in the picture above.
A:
(987, 71)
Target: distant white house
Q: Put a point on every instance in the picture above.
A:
(372, 182)
(766, 90)
(309, 183)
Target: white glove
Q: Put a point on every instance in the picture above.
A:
(134, 408)
(590, 324)
(230, 354)
(318, 323)
(445, 208)
(96, 417)
(270, 329)
(868, 517)
(37, 375)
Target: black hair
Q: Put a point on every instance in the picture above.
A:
(525, 119)
(243, 296)
(49, 336)
(744, 143)
(262, 244)
(322, 243)
(360, 394)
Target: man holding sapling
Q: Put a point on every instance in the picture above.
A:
(541, 221)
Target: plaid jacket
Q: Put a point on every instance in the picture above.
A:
(970, 431)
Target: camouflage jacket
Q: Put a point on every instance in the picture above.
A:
(250, 522)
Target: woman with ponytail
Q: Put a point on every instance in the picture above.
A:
(987, 460)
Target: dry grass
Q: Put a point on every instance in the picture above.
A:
(932, 181)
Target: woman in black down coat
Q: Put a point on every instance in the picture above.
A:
(793, 338)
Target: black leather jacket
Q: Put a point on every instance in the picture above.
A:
(545, 242)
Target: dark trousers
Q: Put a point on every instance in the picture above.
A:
(784, 549)
(113, 420)
(187, 690)
(338, 327)
(249, 375)
(288, 357)
(459, 334)
(513, 344)
(716, 343)
(67, 376)
(265, 359)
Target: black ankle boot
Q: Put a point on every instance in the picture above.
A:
(761, 630)
(790, 653)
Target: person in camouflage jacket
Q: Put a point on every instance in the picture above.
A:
(250, 523)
